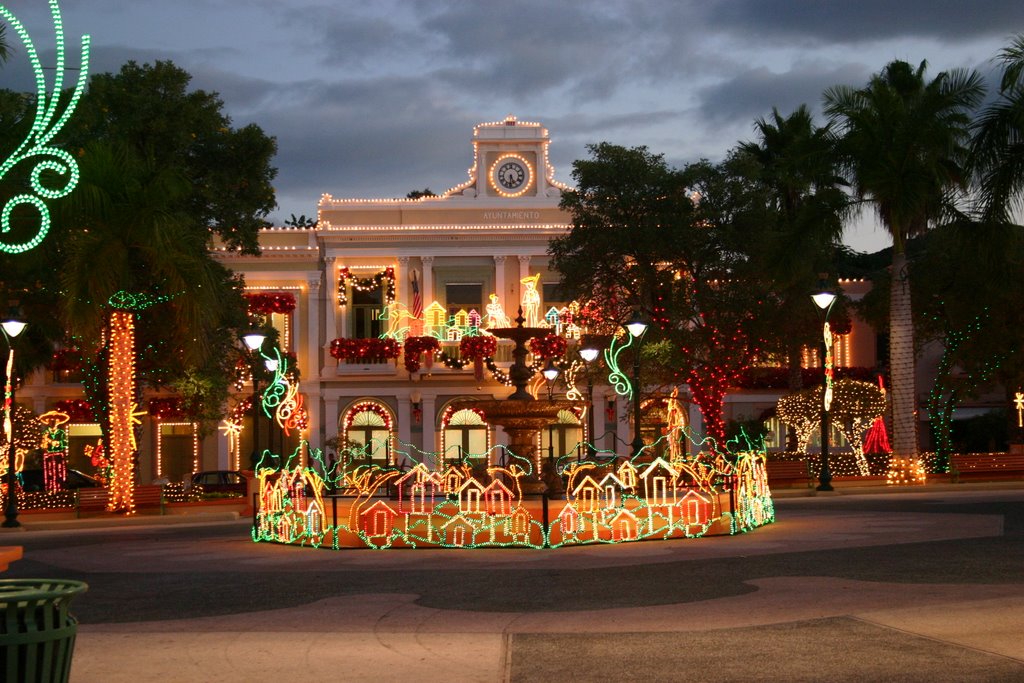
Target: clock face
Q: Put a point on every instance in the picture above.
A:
(511, 175)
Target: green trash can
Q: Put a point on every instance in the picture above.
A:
(37, 633)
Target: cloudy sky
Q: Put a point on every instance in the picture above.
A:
(379, 97)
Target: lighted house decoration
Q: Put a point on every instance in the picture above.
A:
(461, 508)
(435, 320)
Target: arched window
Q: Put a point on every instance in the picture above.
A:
(368, 426)
(466, 430)
(564, 434)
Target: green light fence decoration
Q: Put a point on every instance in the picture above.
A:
(46, 124)
(356, 504)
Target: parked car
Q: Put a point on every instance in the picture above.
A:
(221, 481)
(32, 480)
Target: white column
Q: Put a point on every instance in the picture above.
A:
(330, 416)
(499, 282)
(428, 280)
(524, 267)
(429, 433)
(516, 299)
(622, 427)
(404, 430)
(331, 304)
(223, 455)
(314, 366)
(600, 424)
(402, 275)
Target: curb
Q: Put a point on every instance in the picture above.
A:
(120, 522)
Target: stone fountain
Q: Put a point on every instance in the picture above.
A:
(521, 415)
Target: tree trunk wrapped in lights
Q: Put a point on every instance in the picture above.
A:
(121, 412)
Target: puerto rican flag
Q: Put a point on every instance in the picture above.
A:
(417, 300)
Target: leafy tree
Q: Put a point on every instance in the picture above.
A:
(999, 139)
(137, 249)
(665, 242)
(974, 316)
(417, 194)
(146, 115)
(151, 109)
(904, 148)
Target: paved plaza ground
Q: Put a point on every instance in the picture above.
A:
(911, 586)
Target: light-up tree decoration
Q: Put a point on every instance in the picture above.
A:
(122, 415)
(37, 146)
(855, 406)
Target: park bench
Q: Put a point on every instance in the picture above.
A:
(987, 466)
(95, 500)
(788, 473)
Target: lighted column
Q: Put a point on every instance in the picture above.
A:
(599, 413)
(499, 282)
(331, 416)
(312, 366)
(524, 267)
(428, 280)
(331, 302)
(429, 434)
(402, 284)
(404, 431)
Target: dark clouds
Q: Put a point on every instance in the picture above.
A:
(378, 98)
(823, 21)
(752, 93)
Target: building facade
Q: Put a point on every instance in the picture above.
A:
(374, 270)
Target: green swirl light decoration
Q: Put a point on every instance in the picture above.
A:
(45, 126)
(136, 301)
(616, 377)
(278, 387)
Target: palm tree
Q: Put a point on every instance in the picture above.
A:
(999, 140)
(133, 246)
(5, 48)
(796, 163)
(904, 146)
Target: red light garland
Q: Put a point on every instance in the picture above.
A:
(265, 303)
(417, 347)
(548, 346)
(365, 349)
(78, 410)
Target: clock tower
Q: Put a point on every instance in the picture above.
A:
(510, 162)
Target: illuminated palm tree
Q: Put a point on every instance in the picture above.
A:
(904, 146)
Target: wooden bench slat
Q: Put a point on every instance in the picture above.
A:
(1004, 465)
(95, 500)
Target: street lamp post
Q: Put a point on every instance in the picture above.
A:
(254, 341)
(551, 373)
(12, 327)
(589, 352)
(636, 328)
(271, 365)
(824, 299)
